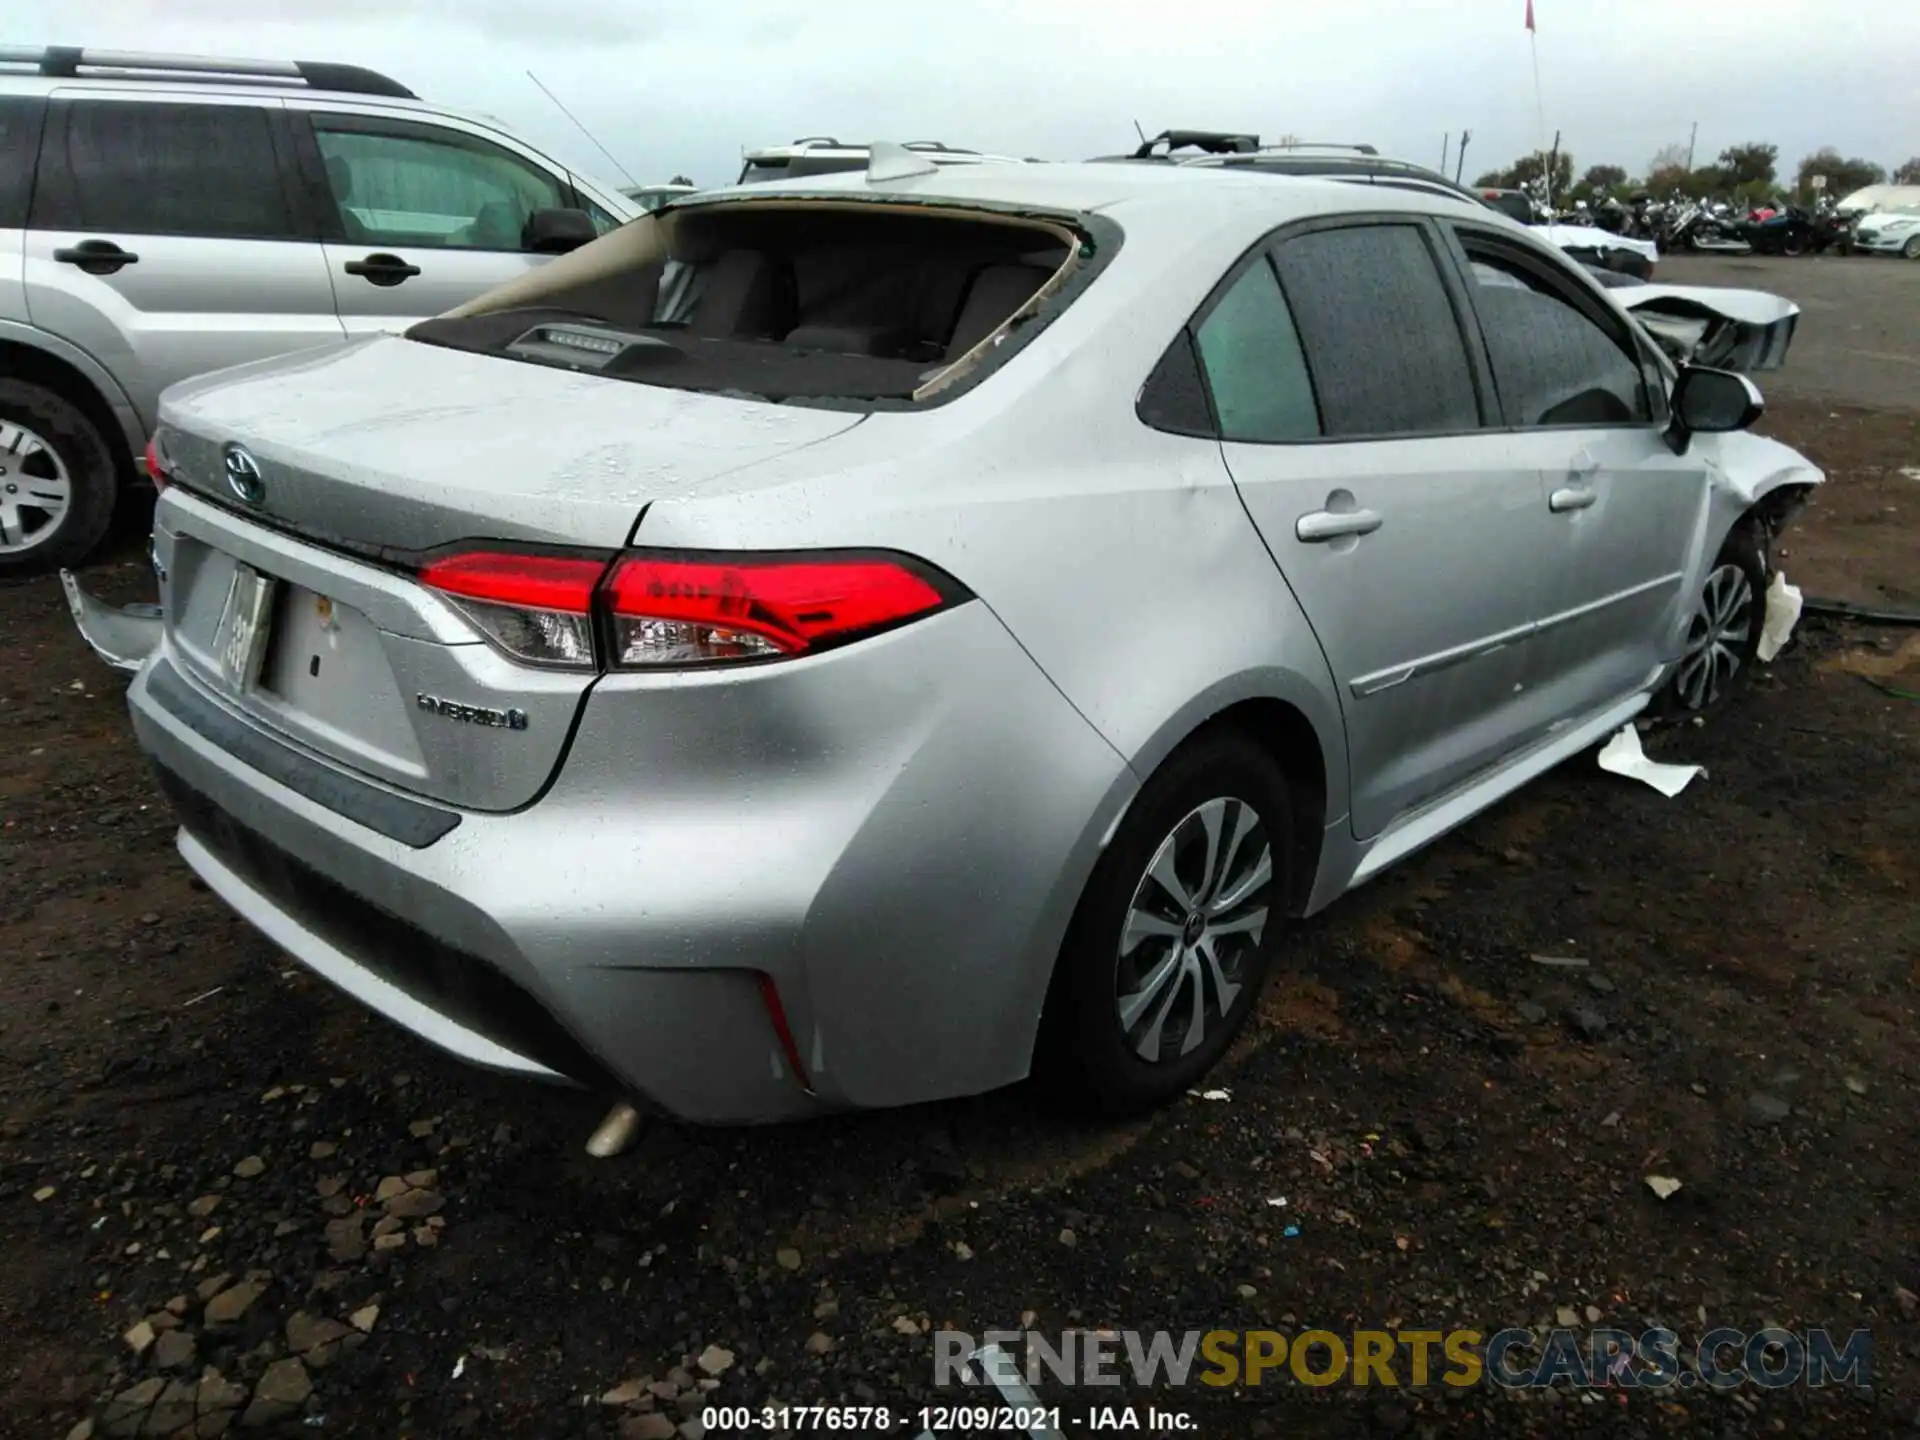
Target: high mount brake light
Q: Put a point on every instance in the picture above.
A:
(681, 610)
(537, 608)
(689, 608)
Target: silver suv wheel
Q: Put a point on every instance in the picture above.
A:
(35, 489)
(1196, 918)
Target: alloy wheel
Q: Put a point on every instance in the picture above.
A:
(1717, 637)
(1193, 925)
(35, 489)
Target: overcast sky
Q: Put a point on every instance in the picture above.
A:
(684, 85)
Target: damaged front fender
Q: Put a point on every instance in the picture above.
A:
(1744, 330)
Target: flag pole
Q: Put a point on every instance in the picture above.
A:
(1539, 100)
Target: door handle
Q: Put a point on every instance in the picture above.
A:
(382, 269)
(1324, 525)
(96, 257)
(1570, 497)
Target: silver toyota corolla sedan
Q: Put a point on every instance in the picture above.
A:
(863, 640)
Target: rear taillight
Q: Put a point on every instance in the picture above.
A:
(667, 608)
(537, 608)
(675, 610)
(157, 465)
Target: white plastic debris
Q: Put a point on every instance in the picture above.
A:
(1278, 1202)
(1217, 1095)
(1664, 1186)
(1910, 472)
(1783, 613)
(1622, 755)
(459, 1367)
(615, 1133)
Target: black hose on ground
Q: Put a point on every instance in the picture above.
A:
(1847, 610)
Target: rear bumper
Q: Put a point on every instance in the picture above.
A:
(122, 636)
(895, 833)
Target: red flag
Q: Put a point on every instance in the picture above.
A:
(1530, 16)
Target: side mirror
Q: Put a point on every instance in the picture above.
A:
(1711, 402)
(555, 232)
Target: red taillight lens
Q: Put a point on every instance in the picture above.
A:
(682, 608)
(674, 610)
(156, 466)
(537, 608)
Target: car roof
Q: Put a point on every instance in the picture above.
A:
(1085, 187)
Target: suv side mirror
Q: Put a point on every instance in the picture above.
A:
(555, 232)
(1711, 402)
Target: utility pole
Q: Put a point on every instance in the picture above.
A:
(1446, 144)
(1460, 156)
(1692, 136)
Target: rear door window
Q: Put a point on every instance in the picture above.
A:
(19, 144)
(1251, 354)
(1553, 361)
(1381, 337)
(141, 168)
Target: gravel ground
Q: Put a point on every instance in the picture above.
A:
(228, 1197)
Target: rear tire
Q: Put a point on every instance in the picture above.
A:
(1723, 632)
(1175, 932)
(57, 480)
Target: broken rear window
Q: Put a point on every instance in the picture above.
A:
(793, 300)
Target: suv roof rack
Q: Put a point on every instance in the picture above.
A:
(1214, 142)
(1292, 145)
(67, 61)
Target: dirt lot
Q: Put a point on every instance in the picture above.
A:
(1461, 1134)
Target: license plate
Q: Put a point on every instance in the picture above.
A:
(245, 624)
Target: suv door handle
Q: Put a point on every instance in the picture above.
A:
(96, 257)
(1324, 525)
(1570, 497)
(382, 269)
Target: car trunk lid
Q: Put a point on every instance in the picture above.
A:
(391, 446)
(300, 608)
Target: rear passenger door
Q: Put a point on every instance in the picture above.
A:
(166, 237)
(1586, 405)
(1352, 413)
(419, 217)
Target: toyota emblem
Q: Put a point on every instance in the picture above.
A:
(243, 475)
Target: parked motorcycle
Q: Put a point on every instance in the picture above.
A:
(1709, 227)
(1833, 230)
(1788, 231)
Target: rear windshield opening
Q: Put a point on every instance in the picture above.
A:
(777, 301)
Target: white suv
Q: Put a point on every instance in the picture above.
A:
(165, 215)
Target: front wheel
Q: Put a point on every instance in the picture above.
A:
(1723, 632)
(1176, 931)
(1912, 248)
(57, 480)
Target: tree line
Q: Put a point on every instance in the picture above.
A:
(1748, 172)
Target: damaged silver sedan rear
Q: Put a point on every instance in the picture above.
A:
(860, 641)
